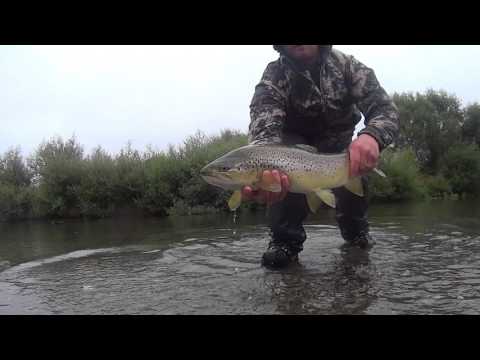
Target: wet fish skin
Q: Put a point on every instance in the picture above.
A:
(309, 172)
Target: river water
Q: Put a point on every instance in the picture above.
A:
(426, 261)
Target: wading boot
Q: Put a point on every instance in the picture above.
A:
(363, 241)
(279, 255)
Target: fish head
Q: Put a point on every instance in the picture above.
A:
(232, 171)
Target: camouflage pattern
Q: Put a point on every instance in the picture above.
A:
(323, 106)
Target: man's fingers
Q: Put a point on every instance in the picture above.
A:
(369, 162)
(285, 186)
(354, 162)
(276, 176)
(262, 196)
(267, 177)
(250, 195)
(364, 155)
(247, 193)
(371, 159)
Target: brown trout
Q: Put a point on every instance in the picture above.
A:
(308, 171)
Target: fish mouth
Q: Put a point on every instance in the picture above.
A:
(220, 179)
(216, 177)
(205, 171)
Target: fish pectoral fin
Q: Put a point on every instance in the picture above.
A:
(235, 200)
(327, 197)
(355, 186)
(380, 172)
(313, 202)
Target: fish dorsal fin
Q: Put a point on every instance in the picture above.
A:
(355, 186)
(327, 197)
(235, 201)
(308, 148)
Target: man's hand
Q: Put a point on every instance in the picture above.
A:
(267, 197)
(364, 155)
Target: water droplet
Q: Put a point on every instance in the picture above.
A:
(234, 222)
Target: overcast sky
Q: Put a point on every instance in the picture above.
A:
(159, 95)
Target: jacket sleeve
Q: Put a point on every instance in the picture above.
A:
(268, 109)
(381, 114)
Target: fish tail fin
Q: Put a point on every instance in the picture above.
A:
(380, 172)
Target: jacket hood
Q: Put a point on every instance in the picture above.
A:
(325, 51)
(323, 48)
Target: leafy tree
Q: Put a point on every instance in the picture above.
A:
(471, 127)
(430, 124)
(462, 168)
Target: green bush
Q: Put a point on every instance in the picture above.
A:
(462, 169)
(13, 169)
(429, 124)
(403, 177)
(65, 183)
(15, 202)
(15, 190)
(436, 186)
(96, 191)
(471, 126)
(59, 168)
(163, 175)
(130, 174)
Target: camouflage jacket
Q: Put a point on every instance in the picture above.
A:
(323, 110)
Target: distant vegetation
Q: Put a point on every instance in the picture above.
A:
(60, 181)
(437, 155)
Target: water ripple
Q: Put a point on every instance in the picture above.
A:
(215, 271)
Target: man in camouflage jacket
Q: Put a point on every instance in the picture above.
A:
(314, 95)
